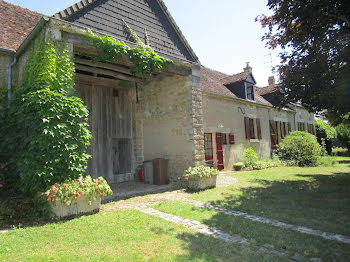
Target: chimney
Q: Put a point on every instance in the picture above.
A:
(247, 68)
(272, 81)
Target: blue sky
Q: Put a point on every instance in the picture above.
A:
(222, 33)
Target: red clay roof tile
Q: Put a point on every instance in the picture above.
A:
(15, 24)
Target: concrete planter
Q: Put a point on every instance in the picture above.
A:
(78, 207)
(200, 183)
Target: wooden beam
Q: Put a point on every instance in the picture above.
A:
(86, 79)
(117, 68)
(108, 73)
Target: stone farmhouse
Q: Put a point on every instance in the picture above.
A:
(188, 113)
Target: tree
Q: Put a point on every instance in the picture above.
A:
(315, 38)
(325, 133)
(343, 131)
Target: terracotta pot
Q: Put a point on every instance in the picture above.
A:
(78, 207)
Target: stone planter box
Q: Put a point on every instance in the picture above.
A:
(201, 183)
(78, 207)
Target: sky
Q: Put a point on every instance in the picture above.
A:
(222, 33)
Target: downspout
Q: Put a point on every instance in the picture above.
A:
(9, 79)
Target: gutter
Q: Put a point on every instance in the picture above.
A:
(39, 26)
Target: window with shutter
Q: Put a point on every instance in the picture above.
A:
(252, 128)
(224, 139)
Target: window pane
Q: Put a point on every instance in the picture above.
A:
(251, 125)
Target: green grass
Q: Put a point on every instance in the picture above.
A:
(126, 235)
(317, 197)
(282, 239)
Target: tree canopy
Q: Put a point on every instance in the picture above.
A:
(315, 38)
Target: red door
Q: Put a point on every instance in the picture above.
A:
(208, 148)
(219, 151)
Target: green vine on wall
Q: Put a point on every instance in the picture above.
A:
(145, 61)
(46, 135)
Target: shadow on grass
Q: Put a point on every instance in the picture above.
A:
(199, 247)
(320, 202)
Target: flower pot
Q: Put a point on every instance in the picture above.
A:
(200, 183)
(237, 167)
(78, 207)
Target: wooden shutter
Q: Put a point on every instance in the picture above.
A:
(289, 127)
(258, 126)
(282, 129)
(232, 138)
(247, 128)
(273, 133)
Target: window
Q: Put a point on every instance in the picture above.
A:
(224, 139)
(208, 149)
(301, 126)
(252, 128)
(250, 92)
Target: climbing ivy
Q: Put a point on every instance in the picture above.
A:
(46, 135)
(145, 61)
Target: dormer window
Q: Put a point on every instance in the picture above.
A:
(250, 92)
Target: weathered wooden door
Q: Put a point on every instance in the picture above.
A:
(219, 151)
(208, 148)
(110, 120)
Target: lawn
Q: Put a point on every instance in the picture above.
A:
(317, 197)
(126, 235)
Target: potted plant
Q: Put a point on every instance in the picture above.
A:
(77, 197)
(201, 177)
(238, 166)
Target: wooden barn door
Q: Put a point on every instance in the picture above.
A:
(219, 151)
(110, 121)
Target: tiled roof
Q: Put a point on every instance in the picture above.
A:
(151, 15)
(269, 94)
(15, 24)
(235, 78)
(211, 81)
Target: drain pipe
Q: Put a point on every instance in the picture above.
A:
(9, 79)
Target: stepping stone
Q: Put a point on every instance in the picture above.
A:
(269, 246)
(298, 257)
(262, 250)
(314, 259)
(277, 253)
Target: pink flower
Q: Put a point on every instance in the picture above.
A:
(1, 185)
(77, 195)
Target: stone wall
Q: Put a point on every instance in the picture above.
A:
(5, 60)
(167, 117)
(226, 115)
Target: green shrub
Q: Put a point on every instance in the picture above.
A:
(250, 158)
(299, 148)
(56, 142)
(200, 172)
(45, 138)
(325, 134)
